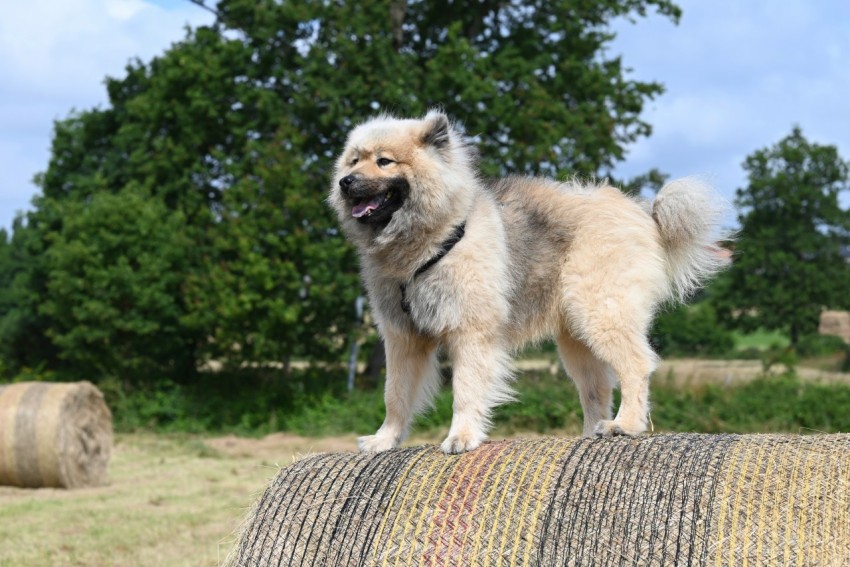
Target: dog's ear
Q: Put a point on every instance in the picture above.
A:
(436, 130)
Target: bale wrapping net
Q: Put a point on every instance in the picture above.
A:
(57, 435)
(683, 499)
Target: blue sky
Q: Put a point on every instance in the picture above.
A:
(739, 75)
(54, 56)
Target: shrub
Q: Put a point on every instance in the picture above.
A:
(690, 331)
(819, 345)
(316, 403)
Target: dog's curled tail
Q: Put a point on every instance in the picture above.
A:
(689, 215)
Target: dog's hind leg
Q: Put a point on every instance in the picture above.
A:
(413, 378)
(480, 380)
(632, 360)
(611, 317)
(592, 378)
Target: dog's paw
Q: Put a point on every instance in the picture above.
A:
(610, 428)
(462, 442)
(377, 443)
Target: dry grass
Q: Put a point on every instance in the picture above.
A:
(701, 371)
(170, 501)
(697, 371)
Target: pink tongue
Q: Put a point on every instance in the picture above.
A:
(363, 208)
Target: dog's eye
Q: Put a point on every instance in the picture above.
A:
(354, 161)
(384, 161)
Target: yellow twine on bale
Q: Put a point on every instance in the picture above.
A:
(53, 435)
(683, 499)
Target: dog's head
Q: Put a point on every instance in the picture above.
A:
(394, 168)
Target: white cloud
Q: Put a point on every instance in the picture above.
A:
(739, 75)
(54, 57)
(54, 47)
(124, 10)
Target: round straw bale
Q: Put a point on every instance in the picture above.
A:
(56, 435)
(835, 323)
(683, 499)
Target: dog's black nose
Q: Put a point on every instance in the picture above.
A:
(345, 183)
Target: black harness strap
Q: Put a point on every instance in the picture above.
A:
(445, 248)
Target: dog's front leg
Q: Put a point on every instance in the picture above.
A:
(480, 380)
(413, 378)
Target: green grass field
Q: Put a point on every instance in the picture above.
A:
(760, 340)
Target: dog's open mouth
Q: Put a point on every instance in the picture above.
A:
(366, 206)
(374, 201)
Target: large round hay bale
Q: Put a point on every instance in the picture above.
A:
(836, 323)
(656, 500)
(53, 435)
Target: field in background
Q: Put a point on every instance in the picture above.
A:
(170, 501)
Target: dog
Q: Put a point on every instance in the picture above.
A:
(481, 268)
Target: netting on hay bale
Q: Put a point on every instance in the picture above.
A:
(684, 499)
(54, 435)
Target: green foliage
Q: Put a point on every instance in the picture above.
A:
(788, 261)
(782, 403)
(311, 404)
(810, 346)
(278, 282)
(355, 412)
(779, 355)
(691, 330)
(250, 401)
(537, 88)
(24, 343)
(544, 403)
(113, 287)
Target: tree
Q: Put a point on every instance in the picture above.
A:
(690, 330)
(113, 286)
(532, 82)
(278, 282)
(790, 258)
(24, 343)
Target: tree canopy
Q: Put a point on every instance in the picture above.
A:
(791, 259)
(185, 220)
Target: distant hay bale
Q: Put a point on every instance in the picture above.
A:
(836, 323)
(57, 435)
(682, 499)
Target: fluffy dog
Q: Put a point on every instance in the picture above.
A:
(482, 268)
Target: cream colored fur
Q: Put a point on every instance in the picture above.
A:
(584, 264)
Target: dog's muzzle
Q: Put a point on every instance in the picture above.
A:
(374, 201)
